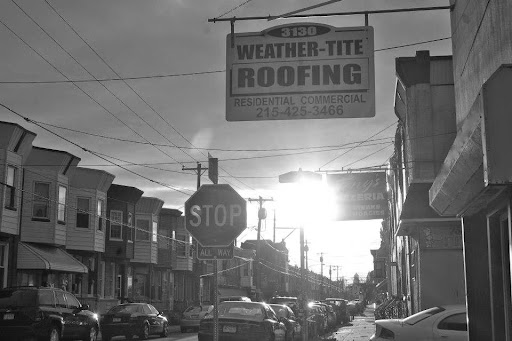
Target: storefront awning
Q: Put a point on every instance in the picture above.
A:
(45, 257)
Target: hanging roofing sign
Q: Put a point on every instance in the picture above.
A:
(359, 196)
(300, 71)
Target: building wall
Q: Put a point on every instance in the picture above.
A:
(9, 218)
(482, 41)
(442, 278)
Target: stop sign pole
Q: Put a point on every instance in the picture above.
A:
(215, 216)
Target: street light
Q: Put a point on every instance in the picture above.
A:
(301, 177)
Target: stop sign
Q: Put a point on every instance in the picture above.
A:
(215, 215)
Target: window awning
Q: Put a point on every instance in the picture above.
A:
(45, 257)
(382, 284)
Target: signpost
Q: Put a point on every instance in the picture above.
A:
(300, 71)
(215, 216)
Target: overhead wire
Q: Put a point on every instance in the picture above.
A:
(92, 152)
(103, 85)
(138, 95)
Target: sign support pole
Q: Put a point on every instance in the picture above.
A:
(304, 288)
(215, 299)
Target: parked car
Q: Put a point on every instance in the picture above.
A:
(317, 319)
(243, 321)
(286, 315)
(45, 313)
(131, 319)
(330, 314)
(290, 301)
(340, 306)
(192, 315)
(438, 323)
(234, 298)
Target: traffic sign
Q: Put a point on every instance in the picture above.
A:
(215, 215)
(300, 71)
(209, 252)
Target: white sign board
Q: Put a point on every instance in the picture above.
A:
(300, 71)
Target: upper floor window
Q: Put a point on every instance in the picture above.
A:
(116, 225)
(10, 188)
(41, 202)
(61, 213)
(143, 229)
(130, 226)
(101, 213)
(155, 232)
(82, 212)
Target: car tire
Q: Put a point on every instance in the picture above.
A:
(144, 334)
(54, 334)
(165, 331)
(93, 334)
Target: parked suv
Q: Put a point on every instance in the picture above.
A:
(29, 313)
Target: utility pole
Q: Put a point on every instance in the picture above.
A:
(330, 280)
(322, 275)
(262, 214)
(199, 171)
(274, 238)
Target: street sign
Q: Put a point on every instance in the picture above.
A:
(300, 71)
(215, 215)
(210, 253)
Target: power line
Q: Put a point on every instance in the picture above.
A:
(85, 69)
(190, 73)
(234, 8)
(92, 152)
(377, 133)
(151, 107)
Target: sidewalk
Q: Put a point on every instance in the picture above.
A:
(361, 328)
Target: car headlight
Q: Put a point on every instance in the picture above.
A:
(95, 316)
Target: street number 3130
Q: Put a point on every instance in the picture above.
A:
(298, 31)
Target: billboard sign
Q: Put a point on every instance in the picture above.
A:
(300, 71)
(359, 196)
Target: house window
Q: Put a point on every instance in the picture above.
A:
(10, 188)
(82, 212)
(181, 246)
(116, 225)
(130, 226)
(41, 202)
(3, 264)
(61, 214)
(155, 231)
(119, 282)
(100, 213)
(143, 231)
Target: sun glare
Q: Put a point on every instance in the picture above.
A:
(299, 204)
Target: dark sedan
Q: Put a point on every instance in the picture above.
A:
(243, 321)
(131, 319)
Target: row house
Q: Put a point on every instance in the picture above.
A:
(41, 257)
(420, 239)
(15, 146)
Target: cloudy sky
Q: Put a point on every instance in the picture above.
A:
(183, 112)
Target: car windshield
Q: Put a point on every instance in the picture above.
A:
(413, 319)
(279, 310)
(17, 298)
(126, 309)
(243, 310)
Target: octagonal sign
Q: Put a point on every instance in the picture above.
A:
(215, 215)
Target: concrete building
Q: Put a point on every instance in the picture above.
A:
(421, 239)
(474, 182)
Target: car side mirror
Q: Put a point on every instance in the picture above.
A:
(84, 307)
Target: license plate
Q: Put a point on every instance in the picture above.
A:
(116, 319)
(8, 316)
(229, 329)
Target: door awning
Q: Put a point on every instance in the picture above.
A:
(45, 257)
